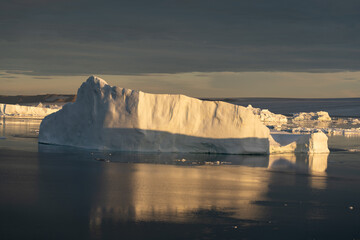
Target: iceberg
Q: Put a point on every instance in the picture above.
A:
(320, 116)
(267, 117)
(345, 132)
(114, 118)
(12, 110)
(106, 117)
(282, 142)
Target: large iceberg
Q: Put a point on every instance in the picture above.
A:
(105, 117)
(113, 118)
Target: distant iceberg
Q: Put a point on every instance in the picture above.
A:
(106, 117)
(320, 116)
(268, 117)
(15, 110)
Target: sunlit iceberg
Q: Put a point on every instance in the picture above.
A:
(106, 117)
(320, 116)
(298, 143)
(268, 117)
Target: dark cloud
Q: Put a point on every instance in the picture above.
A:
(133, 37)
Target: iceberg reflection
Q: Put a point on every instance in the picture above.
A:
(150, 192)
(179, 193)
(299, 162)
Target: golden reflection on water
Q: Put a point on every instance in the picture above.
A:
(305, 162)
(174, 193)
(316, 164)
(154, 192)
(17, 127)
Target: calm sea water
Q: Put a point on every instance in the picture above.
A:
(51, 192)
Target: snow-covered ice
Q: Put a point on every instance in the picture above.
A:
(26, 111)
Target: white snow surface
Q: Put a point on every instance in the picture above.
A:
(25, 111)
(105, 117)
(268, 117)
(320, 116)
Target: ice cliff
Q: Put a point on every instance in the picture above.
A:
(106, 117)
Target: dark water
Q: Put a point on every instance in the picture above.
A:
(49, 192)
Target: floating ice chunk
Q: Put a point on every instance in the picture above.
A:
(311, 116)
(299, 143)
(354, 121)
(343, 132)
(268, 117)
(350, 132)
(105, 117)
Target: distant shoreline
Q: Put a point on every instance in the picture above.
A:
(35, 99)
(336, 107)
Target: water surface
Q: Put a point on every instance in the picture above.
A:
(52, 192)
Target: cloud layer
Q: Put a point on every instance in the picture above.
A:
(62, 37)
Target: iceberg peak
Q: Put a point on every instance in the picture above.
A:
(96, 81)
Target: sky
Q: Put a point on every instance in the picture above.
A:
(201, 48)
